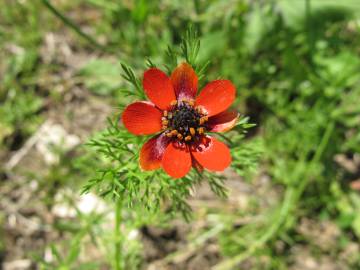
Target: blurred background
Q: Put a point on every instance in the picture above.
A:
(296, 67)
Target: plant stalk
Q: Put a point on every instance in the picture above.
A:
(117, 234)
(292, 196)
(71, 24)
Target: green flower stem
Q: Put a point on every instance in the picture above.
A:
(67, 21)
(269, 233)
(224, 138)
(309, 29)
(117, 234)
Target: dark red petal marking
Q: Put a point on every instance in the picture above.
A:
(185, 81)
(152, 152)
(216, 97)
(212, 154)
(176, 161)
(158, 88)
(223, 121)
(196, 165)
(142, 118)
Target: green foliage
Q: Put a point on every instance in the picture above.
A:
(74, 247)
(129, 76)
(302, 130)
(102, 77)
(295, 64)
(16, 95)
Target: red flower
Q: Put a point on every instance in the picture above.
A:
(181, 120)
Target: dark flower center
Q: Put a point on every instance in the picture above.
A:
(184, 122)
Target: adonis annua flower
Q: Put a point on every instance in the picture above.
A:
(181, 120)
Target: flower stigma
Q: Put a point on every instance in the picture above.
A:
(183, 121)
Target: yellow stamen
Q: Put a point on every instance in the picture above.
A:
(169, 134)
(192, 131)
(165, 122)
(173, 103)
(188, 138)
(201, 130)
(203, 120)
(191, 102)
(174, 132)
(180, 136)
(165, 113)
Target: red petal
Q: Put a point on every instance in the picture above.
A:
(216, 96)
(142, 118)
(152, 152)
(212, 154)
(184, 80)
(223, 121)
(158, 88)
(176, 160)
